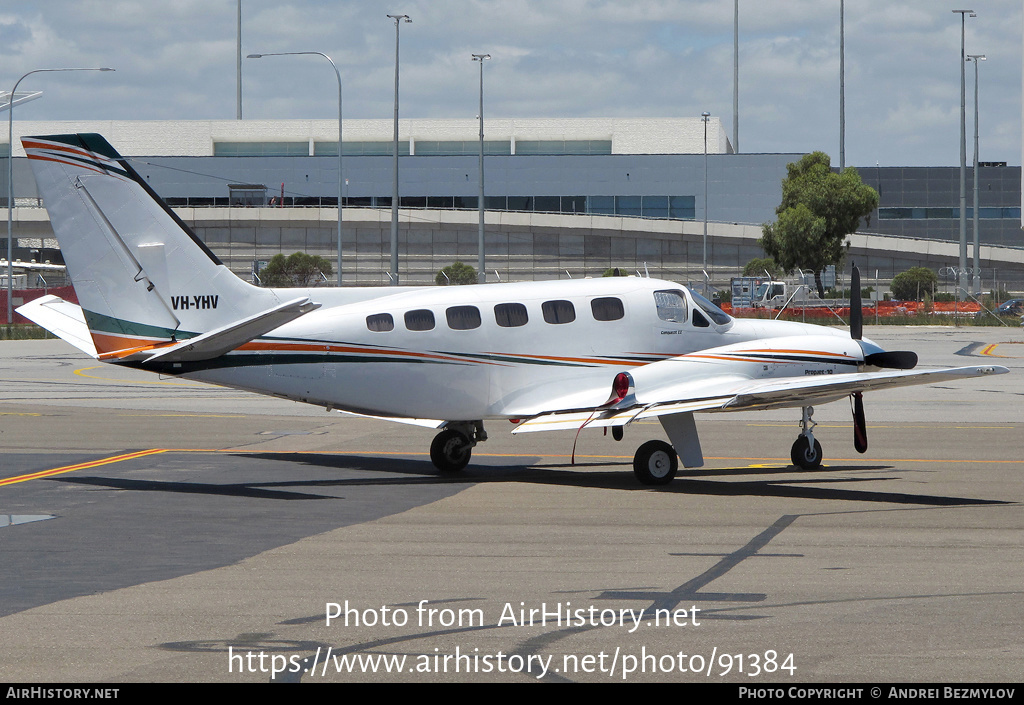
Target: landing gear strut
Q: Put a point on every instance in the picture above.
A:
(806, 452)
(452, 448)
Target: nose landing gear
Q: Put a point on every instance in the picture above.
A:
(806, 452)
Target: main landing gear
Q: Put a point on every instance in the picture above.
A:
(655, 463)
(452, 448)
(806, 452)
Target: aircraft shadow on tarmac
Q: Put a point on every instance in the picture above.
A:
(782, 482)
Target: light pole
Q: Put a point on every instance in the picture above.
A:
(394, 180)
(481, 272)
(962, 282)
(704, 116)
(976, 284)
(238, 67)
(842, 86)
(736, 76)
(340, 176)
(10, 183)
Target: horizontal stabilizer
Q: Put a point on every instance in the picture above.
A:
(62, 318)
(226, 338)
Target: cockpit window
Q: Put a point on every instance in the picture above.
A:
(671, 306)
(714, 313)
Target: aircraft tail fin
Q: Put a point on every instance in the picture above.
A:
(144, 280)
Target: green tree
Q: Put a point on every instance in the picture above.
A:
(457, 273)
(757, 267)
(819, 209)
(297, 269)
(914, 284)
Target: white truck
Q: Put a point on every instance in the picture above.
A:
(762, 292)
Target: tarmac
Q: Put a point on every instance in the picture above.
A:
(159, 530)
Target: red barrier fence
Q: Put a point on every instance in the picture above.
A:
(23, 296)
(886, 309)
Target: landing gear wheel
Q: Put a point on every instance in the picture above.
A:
(804, 456)
(450, 451)
(655, 463)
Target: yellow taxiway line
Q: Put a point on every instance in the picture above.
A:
(80, 466)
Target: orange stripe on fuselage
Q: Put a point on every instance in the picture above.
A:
(587, 360)
(327, 347)
(116, 346)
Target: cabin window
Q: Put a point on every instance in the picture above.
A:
(671, 306)
(558, 311)
(607, 308)
(420, 319)
(699, 321)
(380, 322)
(510, 315)
(463, 317)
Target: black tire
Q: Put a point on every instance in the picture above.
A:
(805, 457)
(655, 463)
(450, 451)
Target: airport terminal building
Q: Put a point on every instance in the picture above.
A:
(564, 197)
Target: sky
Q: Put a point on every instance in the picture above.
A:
(175, 60)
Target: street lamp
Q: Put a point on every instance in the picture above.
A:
(481, 272)
(704, 116)
(736, 76)
(976, 285)
(10, 183)
(842, 86)
(963, 157)
(394, 181)
(340, 178)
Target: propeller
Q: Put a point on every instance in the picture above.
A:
(894, 360)
(860, 424)
(888, 359)
(856, 309)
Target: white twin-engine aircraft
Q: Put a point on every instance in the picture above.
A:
(546, 355)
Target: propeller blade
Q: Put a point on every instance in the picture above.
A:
(860, 426)
(856, 310)
(893, 359)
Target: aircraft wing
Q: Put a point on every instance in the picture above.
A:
(62, 318)
(733, 393)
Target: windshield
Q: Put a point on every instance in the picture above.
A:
(716, 314)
